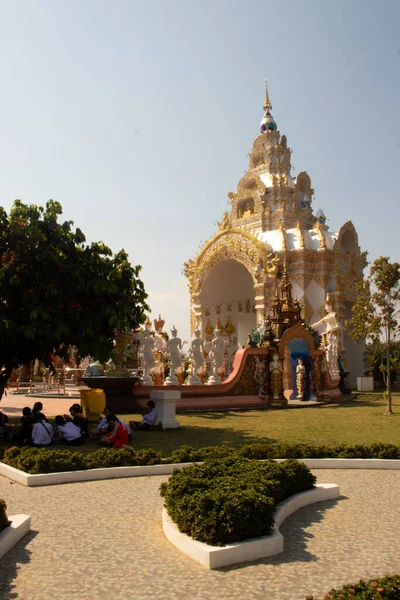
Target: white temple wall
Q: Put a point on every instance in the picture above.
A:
(353, 352)
(228, 291)
(315, 294)
(297, 291)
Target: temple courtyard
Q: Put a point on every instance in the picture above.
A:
(103, 539)
(99, 539)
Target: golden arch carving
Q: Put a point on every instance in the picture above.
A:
(297, 331)
(231, 243)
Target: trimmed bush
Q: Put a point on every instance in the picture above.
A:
(387, 588)
(45, 460)
(188, 454)
(4, 522)
(231, 499)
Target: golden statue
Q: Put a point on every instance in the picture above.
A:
(275, 369)
(300, 379)
(248, 211)
(272, 264)
(159, 324)
(225, 223)
(209, 327)
(229, 327)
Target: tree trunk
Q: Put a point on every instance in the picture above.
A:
(389, 379)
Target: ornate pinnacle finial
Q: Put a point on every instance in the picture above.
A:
(267, 102)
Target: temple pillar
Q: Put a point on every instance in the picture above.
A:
(259, 297)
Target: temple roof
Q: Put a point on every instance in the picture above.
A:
(296, 238)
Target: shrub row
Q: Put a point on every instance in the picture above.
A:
(4, 522)
(47, 460)
(387, 588)
(231, 499)
(264, 451)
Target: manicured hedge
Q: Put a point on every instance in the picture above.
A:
(4, 522)
(231, 499)
(387, 588)
(49, 460)
(46, 460)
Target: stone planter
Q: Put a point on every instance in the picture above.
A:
(20, 525)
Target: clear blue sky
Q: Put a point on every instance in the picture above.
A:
(137, 117)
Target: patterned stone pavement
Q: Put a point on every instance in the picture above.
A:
(103, 539)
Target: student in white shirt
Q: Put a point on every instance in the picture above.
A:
(42, 433)
(149, 417)
(68, 433)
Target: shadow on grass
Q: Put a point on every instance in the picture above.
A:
(216, 416)
(296, 536)
(197, 437)
(373, 403)
(9, 566)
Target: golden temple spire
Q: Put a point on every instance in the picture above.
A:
(267, 101)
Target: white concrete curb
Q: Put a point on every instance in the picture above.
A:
(20, 525)
(30, 480)
(214, 557)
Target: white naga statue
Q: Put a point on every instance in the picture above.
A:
(147, 344)
(174, 347)
(330, 329)
(217, 357)
(197, 357)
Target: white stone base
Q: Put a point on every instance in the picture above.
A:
(165, 401)
(214, 557)
(146, 380)
(365, 384)
(20, 525)
(171, 380)
(214, 380)
(193, 380)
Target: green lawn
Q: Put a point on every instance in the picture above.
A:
(355, 422)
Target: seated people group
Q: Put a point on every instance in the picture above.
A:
(35, 430)
(73, 429)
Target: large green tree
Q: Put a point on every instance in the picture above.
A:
(376, 311)
(56, 290)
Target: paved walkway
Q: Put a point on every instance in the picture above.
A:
(102, 540)
(12, 404)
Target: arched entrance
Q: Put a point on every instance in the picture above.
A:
(227, 299)
(297, 342)
(298, 348)
(240, 262)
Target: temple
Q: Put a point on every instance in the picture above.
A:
(270, 239)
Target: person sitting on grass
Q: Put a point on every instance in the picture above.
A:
(24, 433)
(68, 433)
(104, 426)
(37, 414)
(149, 417)
(78, 419)
(42, 433)
(118, 435)
(3, 425)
